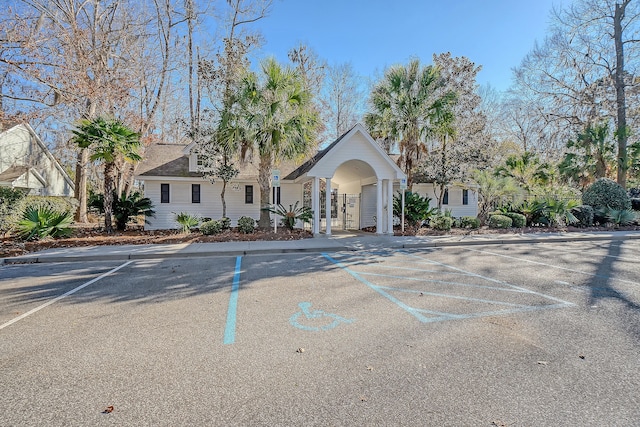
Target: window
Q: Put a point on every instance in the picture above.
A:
(195, 193)
(248, 194)
(164, 193)
(276, 195)
(465, 197)
(445, 198)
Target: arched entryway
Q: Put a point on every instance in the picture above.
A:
(359, 175)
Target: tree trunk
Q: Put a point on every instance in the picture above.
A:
(81, 185)
(224, 202)
(264, 180)
(108, 196)
(622, 133)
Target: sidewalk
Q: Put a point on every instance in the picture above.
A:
(334, 243)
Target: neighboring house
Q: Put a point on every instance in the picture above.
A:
(26, 163)
(354, 169)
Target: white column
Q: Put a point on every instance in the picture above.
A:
(315, 205)
(327, 204)
(390, 207)
(379, 202)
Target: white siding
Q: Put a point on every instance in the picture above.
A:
(19, 147)
(455, 200)
(210, 205)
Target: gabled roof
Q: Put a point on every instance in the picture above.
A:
(43, 148)
(306, 166)
(165, 160)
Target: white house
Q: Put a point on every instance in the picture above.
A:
(26, 163)
(360, 177)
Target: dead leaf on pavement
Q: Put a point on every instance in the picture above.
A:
(108, 410)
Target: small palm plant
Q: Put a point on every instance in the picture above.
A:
(134, 204)
(560, 212)
(39, 222)
(294, 214)
(620, 217)
(187, 222)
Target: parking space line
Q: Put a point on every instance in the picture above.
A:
(443, 282)
(230, 329)
(66, 294)
(600, 276)
(426, 315)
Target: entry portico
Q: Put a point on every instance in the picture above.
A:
(356, 168)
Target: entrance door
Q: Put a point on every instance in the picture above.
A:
(350, 211)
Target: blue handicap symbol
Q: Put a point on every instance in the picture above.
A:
(307, 314)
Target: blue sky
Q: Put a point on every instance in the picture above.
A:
(375, 34)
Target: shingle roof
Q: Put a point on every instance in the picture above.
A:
(169, 160)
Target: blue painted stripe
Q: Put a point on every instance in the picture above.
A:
(230, 330)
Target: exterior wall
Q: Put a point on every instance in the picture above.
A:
(359, 148)
(210, 205)
(368, 206)
(455, 200)
(19, 147)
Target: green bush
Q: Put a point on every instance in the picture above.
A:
(606, 193)
(246, 224)
(225, 223)
(186, 221)
(469, 222)
(620, 216)
(41, 222)
(441, 222)
(211, 227)
(584, 215)
(500, 221)
(16, 208)
(9, 200)
(416, 207)
(123, 207)
(517, 220)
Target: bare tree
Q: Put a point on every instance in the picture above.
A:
(583, 72)
(342, 100)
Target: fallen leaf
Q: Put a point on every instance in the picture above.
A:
(108, 410)
(369, 368)
(542, 362)
(581, 356)
(300, 350)
(363, 399)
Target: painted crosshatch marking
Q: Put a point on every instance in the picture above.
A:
(436, 285)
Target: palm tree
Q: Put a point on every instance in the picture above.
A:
(593, 156)
(275, 119)
(526, 170)
(407, 106)
(110, 140)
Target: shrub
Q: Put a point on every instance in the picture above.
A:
(584, 215)
(605, 193)
(41, 222)
(125, 207)
(533, 210)
(416, 207)
(246, 224)
(469, 222)
(225, 223)
(635, 204)
(441, 222)
(211, 227)
(620, 216)
(17, 209)
(294, 214)
(559, 212)
(9, 200)
(186, 221)
(517, 220)
(500, 221)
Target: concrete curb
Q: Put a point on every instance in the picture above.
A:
(186, 253)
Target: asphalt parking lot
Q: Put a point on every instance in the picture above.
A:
(514, 335)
